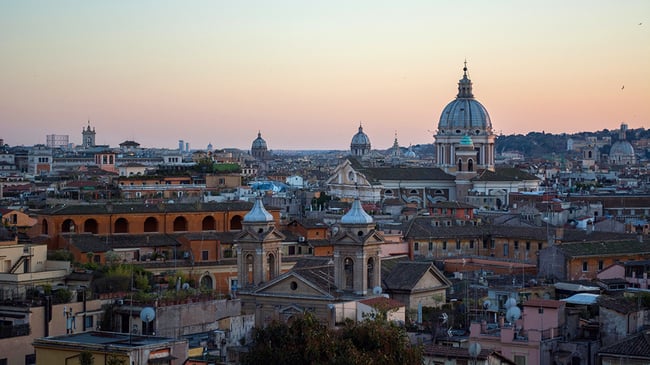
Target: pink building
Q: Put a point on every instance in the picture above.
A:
(530, 339)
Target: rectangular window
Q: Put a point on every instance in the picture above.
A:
(430, 246)
(444, 245)
(493, 244)
(416, 246)
(458, 244)
(539, 246)
(516, 244)
(471, 243)
(89, 322)
(527, 245)
(520, 359)
(600, 264)
(204, 255)
(505, 250)
(585, 266)
(292, 250)
(485, 244)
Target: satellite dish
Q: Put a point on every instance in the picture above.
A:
(511, 302)
(486, 304)
(376, 290)
(513, 314)
(147, 314)
(474, 349)
(186, 286)
(444, 317)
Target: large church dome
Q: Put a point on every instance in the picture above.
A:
(465, 114)
(259, 142)
(360, 144)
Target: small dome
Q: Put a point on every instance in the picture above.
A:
(466, 141)
(258, 214)
(360, 139)
(464, 114)
(259, 142)
(409, 153)
(356, 214)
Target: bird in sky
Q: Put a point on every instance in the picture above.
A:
(623, 87)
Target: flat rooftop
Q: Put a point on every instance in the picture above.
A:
(115, 339)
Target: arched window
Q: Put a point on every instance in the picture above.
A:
(235, 222)
(68, 226)
(270, 261)
(91, 226)
(44, 228)
(249, 268)
(180, 224)
(348, 269)
(209, 224)
(206, 282)
(151, 224)
(470, 165)
(121, 225)
(460, 165)
(371, 273)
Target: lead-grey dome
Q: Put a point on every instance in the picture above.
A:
(258, 214)
(360, 139)
(259, 142)
(621, 148)
(356, 214)
(465, 114)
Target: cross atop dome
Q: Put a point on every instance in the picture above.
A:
(465, 85)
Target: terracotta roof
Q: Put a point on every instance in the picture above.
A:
(454, 352)
(423, 228)
(595, 249)
(87, 242)
(376, 174)
(637, 345)
(145, 208)
(620, 305)
(504, 174)
(382, 302)
(544, 303)
(402, 274)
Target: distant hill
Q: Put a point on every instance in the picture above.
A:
(540, 144)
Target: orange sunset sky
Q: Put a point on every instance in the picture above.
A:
(305, 73)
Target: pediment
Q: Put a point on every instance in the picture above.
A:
(373, 237)
(291, 284)
(342, 175)
(272, 235)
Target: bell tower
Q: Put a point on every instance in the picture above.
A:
(258, 248)
(357, 263)
(88, 136)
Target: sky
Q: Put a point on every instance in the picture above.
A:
(307, 73)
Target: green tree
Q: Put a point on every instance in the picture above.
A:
(305, 340)
(86, 358)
